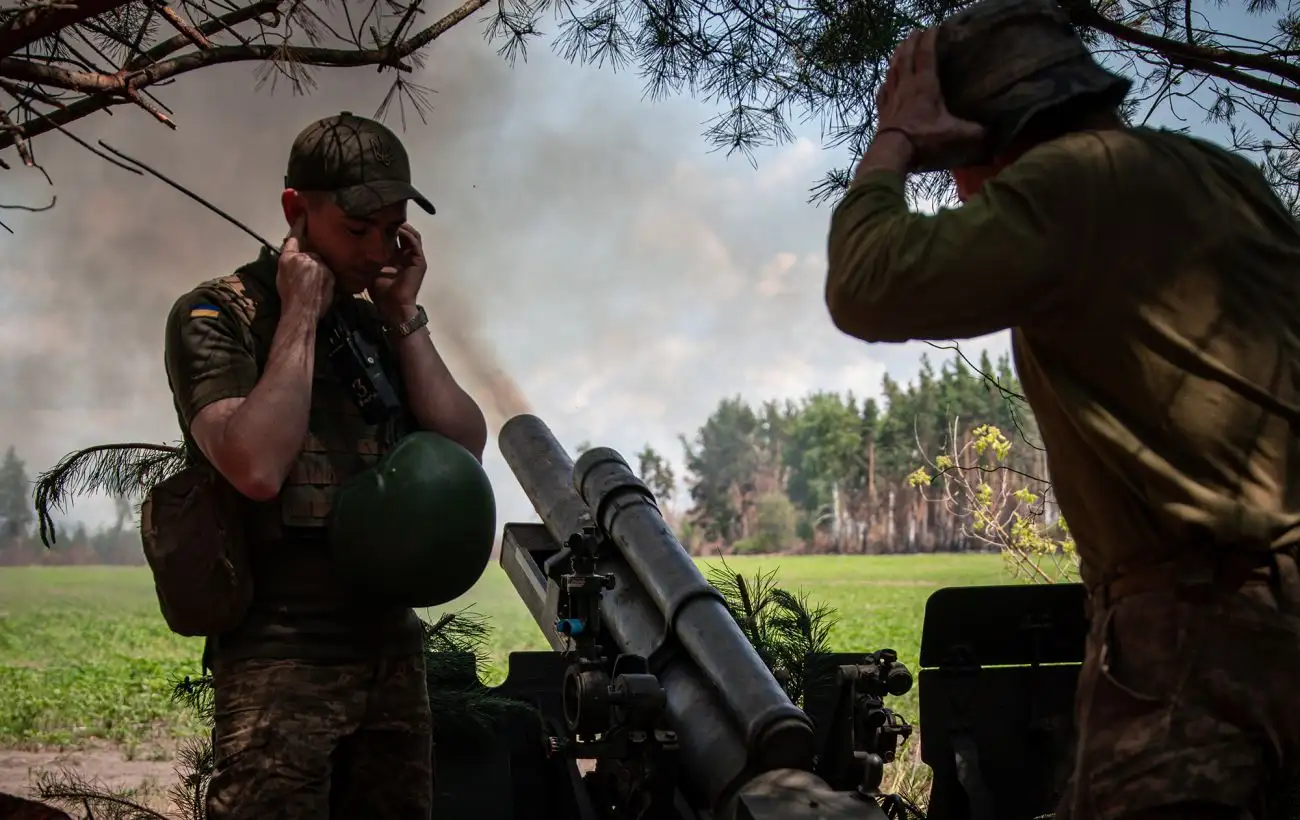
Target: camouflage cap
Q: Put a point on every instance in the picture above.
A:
(1003, 62)
(360, 163)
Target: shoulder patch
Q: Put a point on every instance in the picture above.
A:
(226, 292)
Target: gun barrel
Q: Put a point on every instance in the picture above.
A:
(777, 733)
(545, 471)
(712, 748)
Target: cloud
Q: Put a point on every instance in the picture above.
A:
(591, 260)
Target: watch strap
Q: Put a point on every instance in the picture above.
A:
(419, 320)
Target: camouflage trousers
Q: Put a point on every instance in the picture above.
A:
(294, 740)
(1187, 710)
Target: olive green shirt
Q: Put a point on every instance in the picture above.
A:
(1152, 282)
(301, 608)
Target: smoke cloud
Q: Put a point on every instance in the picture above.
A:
(590, 260)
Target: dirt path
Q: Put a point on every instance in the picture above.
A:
(108, 766)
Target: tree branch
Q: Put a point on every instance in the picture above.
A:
(208, 28)
(1218, 62)
(190, 33)
(26, 27)
(104, 90)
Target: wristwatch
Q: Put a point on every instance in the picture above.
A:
(419, 320)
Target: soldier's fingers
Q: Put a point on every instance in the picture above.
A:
(412, 237)
(927, 69)
(293, 242)
(895, 66)
(906, 55)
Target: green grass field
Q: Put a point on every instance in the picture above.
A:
(85, 656)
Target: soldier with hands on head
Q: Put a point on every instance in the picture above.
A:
(1151, 282)
(321, 706)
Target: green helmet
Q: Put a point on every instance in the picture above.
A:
(417, 528)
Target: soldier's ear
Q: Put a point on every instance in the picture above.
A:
(295, 205)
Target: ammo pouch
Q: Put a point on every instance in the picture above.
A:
(192, 528)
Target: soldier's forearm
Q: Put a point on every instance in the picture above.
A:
(269, 426)
(889, 151)
(438, 403)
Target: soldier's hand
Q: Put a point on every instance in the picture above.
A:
(302, 278)
(911, 102)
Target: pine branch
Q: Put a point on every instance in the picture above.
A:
(784, 628)
(196, 695)
(20, 28)
(70, 788)
(455, 659)
(457, 635)
(1217, 62)
(128, 470)
(194, 767)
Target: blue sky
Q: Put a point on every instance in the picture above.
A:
(625, 277)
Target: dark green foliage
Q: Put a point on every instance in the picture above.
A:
(195, 694)
(783, 627)
(15, 509)
(455, 656)
(657, 473)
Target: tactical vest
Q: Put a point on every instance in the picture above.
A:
(339, 442)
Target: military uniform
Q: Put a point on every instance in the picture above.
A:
(321, 702)
(1151, 282)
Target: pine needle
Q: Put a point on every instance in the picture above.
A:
(784, 628)
(125, 470)
(462, 634)
(196, 695)
(194, 767)
(71, 789)
(455, 659)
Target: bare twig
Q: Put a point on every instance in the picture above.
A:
(190, 32)
(191, 195)
(31, 208)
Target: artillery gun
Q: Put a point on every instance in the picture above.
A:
(654, 706)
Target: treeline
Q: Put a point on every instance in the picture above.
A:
(830, 473)
(115, 544)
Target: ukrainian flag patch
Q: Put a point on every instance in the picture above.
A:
(204, 311)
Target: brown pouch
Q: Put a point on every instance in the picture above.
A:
(192, 528)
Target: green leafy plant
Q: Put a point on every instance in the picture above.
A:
(1004, 508)
(784, 628)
